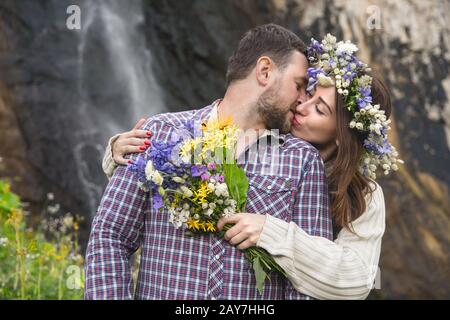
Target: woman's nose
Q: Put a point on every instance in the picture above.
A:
(302, 108)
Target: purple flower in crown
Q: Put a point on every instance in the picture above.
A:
(349, 73)
(315, 48)
(313, 73)
(378, 148)
(365, 97)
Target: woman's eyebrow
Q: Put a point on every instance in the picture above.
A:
(326, 104)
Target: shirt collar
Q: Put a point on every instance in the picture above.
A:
(273, 134)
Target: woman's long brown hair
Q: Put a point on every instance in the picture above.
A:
(347, 186)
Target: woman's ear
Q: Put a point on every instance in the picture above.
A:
(264, 68)
(337, 143)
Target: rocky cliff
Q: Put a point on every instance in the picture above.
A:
(63, 92)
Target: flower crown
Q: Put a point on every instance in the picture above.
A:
(329, 60)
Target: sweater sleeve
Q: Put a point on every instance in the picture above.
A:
(316, 266)
(108, 164)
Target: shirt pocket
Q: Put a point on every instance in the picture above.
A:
(271, 195)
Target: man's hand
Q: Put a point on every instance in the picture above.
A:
(246, 230)
(133, 141)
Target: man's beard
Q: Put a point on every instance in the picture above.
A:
(271, 112)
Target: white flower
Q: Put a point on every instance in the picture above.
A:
(186, 206)
(346, 48)
(157, 178)
(330, 39)
(149, 170)
(324, 81)
(211, 186)
(3, 241)
(178, 180)
(186, 191)
(221, 190)
(352, 124)
(359, 126)
(212, 205)
(204, 205)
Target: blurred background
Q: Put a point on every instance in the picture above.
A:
(64, 92)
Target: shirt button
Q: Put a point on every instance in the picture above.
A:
(269, 187)
(217, 257)
(213, 298)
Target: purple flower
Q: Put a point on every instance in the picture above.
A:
(313, 74)
(221, 179)
(211, 166)
(205, 176)
(157, 201)
(315, 48)
(198, 170)
(365, 97)
(378, 149)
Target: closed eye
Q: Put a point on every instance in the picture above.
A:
(318, 110)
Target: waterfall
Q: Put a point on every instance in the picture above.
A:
(118, 26)
(116, 83)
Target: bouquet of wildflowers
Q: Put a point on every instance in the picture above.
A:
(198, 181)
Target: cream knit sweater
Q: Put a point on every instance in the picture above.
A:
(343, 269)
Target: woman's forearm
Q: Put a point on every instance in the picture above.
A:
(344, 269)
(108, 163)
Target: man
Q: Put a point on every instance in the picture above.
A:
(266, 80)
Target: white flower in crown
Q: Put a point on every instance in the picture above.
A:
(346, 48)
(330, 60)
(324, 81)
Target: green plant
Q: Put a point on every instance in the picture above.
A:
(37, 263)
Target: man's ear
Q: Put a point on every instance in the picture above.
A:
(264, 70)
(337, 143)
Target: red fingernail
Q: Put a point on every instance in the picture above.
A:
(149, 133)
(130, 162)
(142, 148)
(147, 142)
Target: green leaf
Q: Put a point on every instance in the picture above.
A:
(260, 275)
(237, 183)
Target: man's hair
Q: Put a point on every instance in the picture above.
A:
(270, 40)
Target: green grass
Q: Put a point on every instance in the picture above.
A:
(40, 262)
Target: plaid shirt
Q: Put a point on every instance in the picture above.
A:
(176, 266)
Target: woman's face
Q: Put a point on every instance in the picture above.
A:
(315, 119)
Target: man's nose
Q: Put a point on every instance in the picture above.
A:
(302, 97)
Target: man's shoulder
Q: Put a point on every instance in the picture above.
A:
(176, 119)
(292, 143)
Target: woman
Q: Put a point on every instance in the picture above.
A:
(339, 120)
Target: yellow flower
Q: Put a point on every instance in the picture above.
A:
(210, 226)
(15, 218)
(202, 193)
(193, 224)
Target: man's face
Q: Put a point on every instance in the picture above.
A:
(277, 104)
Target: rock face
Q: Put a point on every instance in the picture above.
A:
(64, 92)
